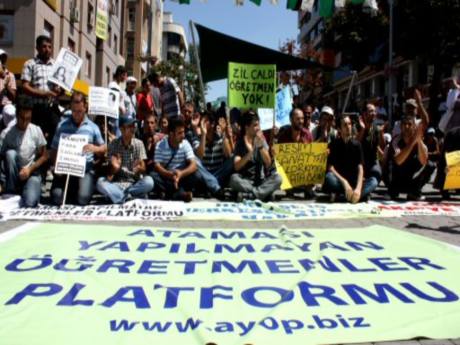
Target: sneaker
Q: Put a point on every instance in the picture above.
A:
(242, 196)
(310, 194)
(186, 196)
(415, 197)
(332, 197)
(219, 195)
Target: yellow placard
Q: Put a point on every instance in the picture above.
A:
(453, 175)
(102, 19)
(301, 164)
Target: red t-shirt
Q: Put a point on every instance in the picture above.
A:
(144, 105)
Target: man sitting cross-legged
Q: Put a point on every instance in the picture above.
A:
(125, 177)
(174, 163)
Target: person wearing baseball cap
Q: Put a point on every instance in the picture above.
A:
(126, 177)
(131, 104)
(325, 131)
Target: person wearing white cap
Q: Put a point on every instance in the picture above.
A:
(7, 82)
(325, 131)
(131, 97)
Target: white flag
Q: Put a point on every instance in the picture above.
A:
(274, 2)
(307, 5)
(372, 4)
(339, 4)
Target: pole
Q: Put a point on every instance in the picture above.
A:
(347, 99)
(390, 66)
(198, 65)
(65, 190)
(105, 130)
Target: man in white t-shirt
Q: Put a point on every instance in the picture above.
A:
(24, 152)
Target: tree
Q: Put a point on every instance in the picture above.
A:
(186, 75)
(310, 81)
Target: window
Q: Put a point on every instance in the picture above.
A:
(115, 43)
(109, 41)
(107, 74)
(90, 18)
(88, 65)
(48, 30)
(71, 45)
(131, 19)
(130, 47)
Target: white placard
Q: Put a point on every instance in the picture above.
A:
(265, 118)
(65, 69)
(103, 101)
(70, 157)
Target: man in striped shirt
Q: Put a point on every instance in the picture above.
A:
(171, 97)
(214, 149)
(174, 163)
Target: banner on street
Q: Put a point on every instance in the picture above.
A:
(251, 86)
(65, 69)
(131, 211)
(283, 106)
(453, 175)
(103, 101)
(102, 19)
(301, 164)
(71, 160)
(106, 285)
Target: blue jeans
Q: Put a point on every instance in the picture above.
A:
(80, 190)
(118, 195)
(166, 186)
(333, 185)
(30, 189)
(215, 180)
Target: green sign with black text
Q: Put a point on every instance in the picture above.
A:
(251, 86)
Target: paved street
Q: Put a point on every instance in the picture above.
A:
(446, 229)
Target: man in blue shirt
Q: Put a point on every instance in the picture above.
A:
(174, 163)
(80, 190)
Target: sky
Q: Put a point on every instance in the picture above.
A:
(268, 25)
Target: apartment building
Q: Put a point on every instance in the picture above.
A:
(70, 24)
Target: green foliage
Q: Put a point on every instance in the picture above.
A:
(427, 29)
(186, 76)
(356, 33)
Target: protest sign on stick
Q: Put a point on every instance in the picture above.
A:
(283, 107)
(65, 69)
(301, 164)
(103, 101)
(251, 86)
(71, 159)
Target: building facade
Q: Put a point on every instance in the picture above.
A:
(370, 83)
(70, 24)
(143, 35)
(174, 39)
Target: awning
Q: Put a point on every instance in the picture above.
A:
(218, 49)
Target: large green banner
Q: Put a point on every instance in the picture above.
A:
(251, 86)
(74, 284)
